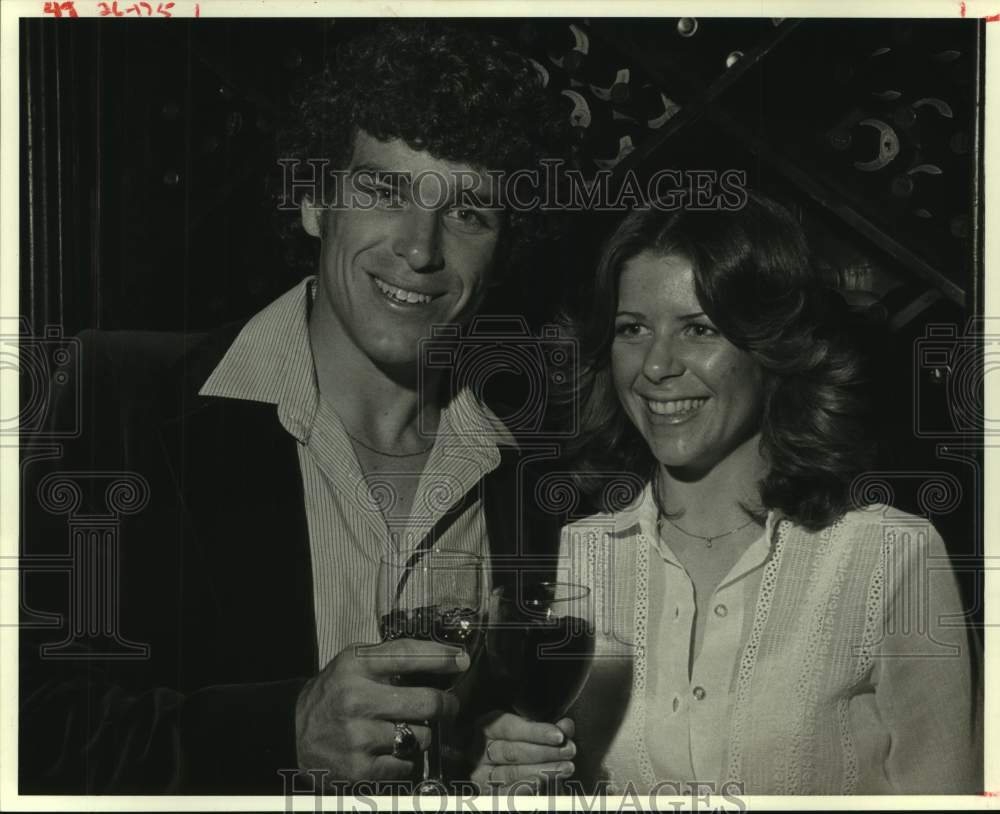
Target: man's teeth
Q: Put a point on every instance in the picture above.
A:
(401, 294)
(675, 407)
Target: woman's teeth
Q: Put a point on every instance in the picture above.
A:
(676, 407)
(401, 294)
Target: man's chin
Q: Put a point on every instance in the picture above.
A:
(403, 372)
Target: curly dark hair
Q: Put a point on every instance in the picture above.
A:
(449, 89)
(754, 279)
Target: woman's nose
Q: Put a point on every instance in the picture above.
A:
(661, 360)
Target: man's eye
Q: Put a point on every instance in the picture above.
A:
(387, 195)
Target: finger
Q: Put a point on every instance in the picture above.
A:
(538, 773)
(568, 726)
(510, 727)
(404, 656)
(500, 752)
(386, 732)
(412, 704)
(387, 767)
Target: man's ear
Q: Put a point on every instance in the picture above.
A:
(312, 218)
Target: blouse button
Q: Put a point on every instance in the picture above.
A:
(677, 703)
(699, 693)
(721, 610)
(677, 611)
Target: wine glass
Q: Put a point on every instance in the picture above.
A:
(540, 643)
(435, 594)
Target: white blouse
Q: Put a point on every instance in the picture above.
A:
(834, 662)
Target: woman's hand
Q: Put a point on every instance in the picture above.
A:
(521, 756)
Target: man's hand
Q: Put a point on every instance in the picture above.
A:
(523, 755)
(344, 716)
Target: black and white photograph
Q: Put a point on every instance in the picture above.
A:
(422, 407)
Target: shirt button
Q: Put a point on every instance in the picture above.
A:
(699, 693)
(677, 703)
(721, 610)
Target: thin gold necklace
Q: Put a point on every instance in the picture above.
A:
(370, 448)
(660, 517)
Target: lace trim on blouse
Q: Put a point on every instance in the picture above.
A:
(741, 707)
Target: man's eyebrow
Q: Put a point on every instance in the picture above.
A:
(378, 172)
(473, 199)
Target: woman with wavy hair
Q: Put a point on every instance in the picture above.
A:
(754, 627)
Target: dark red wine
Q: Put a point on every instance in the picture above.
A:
(543, 664)
(456, 626)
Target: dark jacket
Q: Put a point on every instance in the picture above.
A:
(167, 621)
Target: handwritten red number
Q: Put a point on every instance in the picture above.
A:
(56, 9)
(163, 9)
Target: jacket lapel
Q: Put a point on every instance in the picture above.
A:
(237, 475)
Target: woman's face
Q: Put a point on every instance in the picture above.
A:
(694, 396)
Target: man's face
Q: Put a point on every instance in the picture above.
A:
(403, 255)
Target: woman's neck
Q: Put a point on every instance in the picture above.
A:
(723, 494)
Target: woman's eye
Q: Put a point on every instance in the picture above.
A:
(468, 219)
(628, 329)
(700, 330)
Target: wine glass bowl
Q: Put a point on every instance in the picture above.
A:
(540, 642)
(434, 594)
(455, 625)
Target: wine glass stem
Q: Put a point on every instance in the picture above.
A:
(433, 780)
(432, 767)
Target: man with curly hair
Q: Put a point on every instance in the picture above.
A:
(269, 460)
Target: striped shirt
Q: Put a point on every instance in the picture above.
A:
(271, 362)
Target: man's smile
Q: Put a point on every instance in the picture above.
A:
(401, 296)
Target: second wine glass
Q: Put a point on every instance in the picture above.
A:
(541, 645)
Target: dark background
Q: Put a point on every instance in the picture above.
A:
(149, 184)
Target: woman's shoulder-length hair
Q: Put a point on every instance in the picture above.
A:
(755, 279)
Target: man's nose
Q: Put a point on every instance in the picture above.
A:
(418, 240)
(661, 360)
